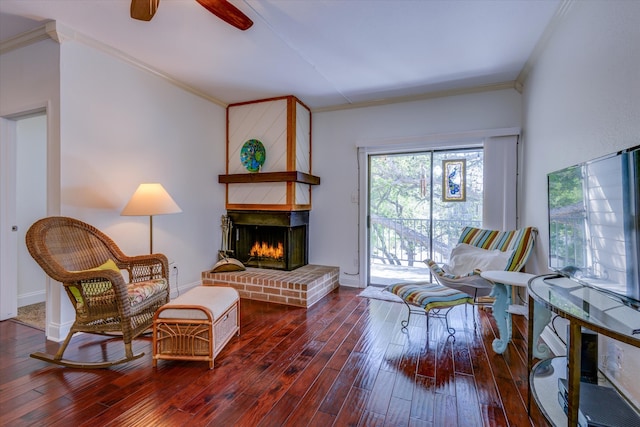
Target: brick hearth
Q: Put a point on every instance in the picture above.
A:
(301, 287)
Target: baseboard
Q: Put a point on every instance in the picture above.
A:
(32, 298)
(351, 281)
(57, 332)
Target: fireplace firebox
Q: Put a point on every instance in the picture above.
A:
(270, 239)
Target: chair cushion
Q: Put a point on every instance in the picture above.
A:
(429, 295)
(217, 299)
(137, 292)
(140, 291)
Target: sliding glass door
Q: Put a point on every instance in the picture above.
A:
(418, 204)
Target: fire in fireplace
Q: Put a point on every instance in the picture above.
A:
(265, 250)
(270, 239)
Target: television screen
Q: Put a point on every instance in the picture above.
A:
(594, 222)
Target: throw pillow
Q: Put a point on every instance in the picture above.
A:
(466, 258)
(98, 287)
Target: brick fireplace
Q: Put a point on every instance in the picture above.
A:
(301, 287)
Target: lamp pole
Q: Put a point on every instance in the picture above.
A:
(150, 234)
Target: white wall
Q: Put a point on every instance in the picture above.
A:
(119, 126)
(122, 126)
(336, 134)
(581, 101)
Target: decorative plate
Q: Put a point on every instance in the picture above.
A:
(253, 155)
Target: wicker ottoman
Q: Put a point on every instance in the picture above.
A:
(196, 325)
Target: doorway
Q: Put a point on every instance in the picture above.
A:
(418, 202)
(24, 181)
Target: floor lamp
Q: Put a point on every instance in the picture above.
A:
(150, 199)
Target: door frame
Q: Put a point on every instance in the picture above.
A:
(438, 141)
(363, 162)
(8, 197)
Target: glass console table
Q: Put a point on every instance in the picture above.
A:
(582, 306)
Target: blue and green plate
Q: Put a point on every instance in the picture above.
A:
(253, 155)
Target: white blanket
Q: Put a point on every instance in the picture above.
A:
(466, 258)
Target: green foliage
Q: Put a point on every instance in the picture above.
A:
(397, 183)
(401, 186)
(565, 188)
(567, 238)
(403, 191)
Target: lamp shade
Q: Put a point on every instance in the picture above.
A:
(150, 199)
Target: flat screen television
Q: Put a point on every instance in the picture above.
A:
(594, 223)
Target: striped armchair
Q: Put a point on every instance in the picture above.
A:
(519, 241)
(452, 290)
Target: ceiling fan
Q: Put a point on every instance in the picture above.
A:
(144, 10)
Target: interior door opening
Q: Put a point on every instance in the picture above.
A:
(24, 183)
(418, 203)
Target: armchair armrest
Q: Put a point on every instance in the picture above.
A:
(145, 267)
(104, 287)
(439, 271)
(471, 283)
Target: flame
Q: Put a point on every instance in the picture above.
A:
(264, 250)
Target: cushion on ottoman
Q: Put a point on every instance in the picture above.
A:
(216, 299)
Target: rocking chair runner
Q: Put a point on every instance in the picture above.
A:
(88, 263)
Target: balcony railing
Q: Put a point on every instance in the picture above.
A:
(408, 241)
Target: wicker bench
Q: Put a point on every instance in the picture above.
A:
(196, 325)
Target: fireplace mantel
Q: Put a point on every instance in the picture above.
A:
(291, 176)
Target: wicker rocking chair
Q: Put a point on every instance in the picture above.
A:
(88, 263)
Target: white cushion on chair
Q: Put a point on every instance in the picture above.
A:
(466, 258)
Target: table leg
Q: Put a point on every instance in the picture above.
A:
(574, 357)
(500, 292)
(540, 321)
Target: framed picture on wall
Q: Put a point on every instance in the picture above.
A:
(454, 180)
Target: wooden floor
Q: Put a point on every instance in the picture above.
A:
(343, 362)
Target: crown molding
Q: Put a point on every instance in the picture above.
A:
(48, 30)
(60, 33)
(420, 97)
(25, 39)
(558, 17)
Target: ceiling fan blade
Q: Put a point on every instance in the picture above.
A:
(228, 13)
(144, 10)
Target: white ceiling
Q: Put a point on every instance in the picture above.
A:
(328, 53)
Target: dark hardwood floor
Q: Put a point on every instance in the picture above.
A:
(342, 362)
